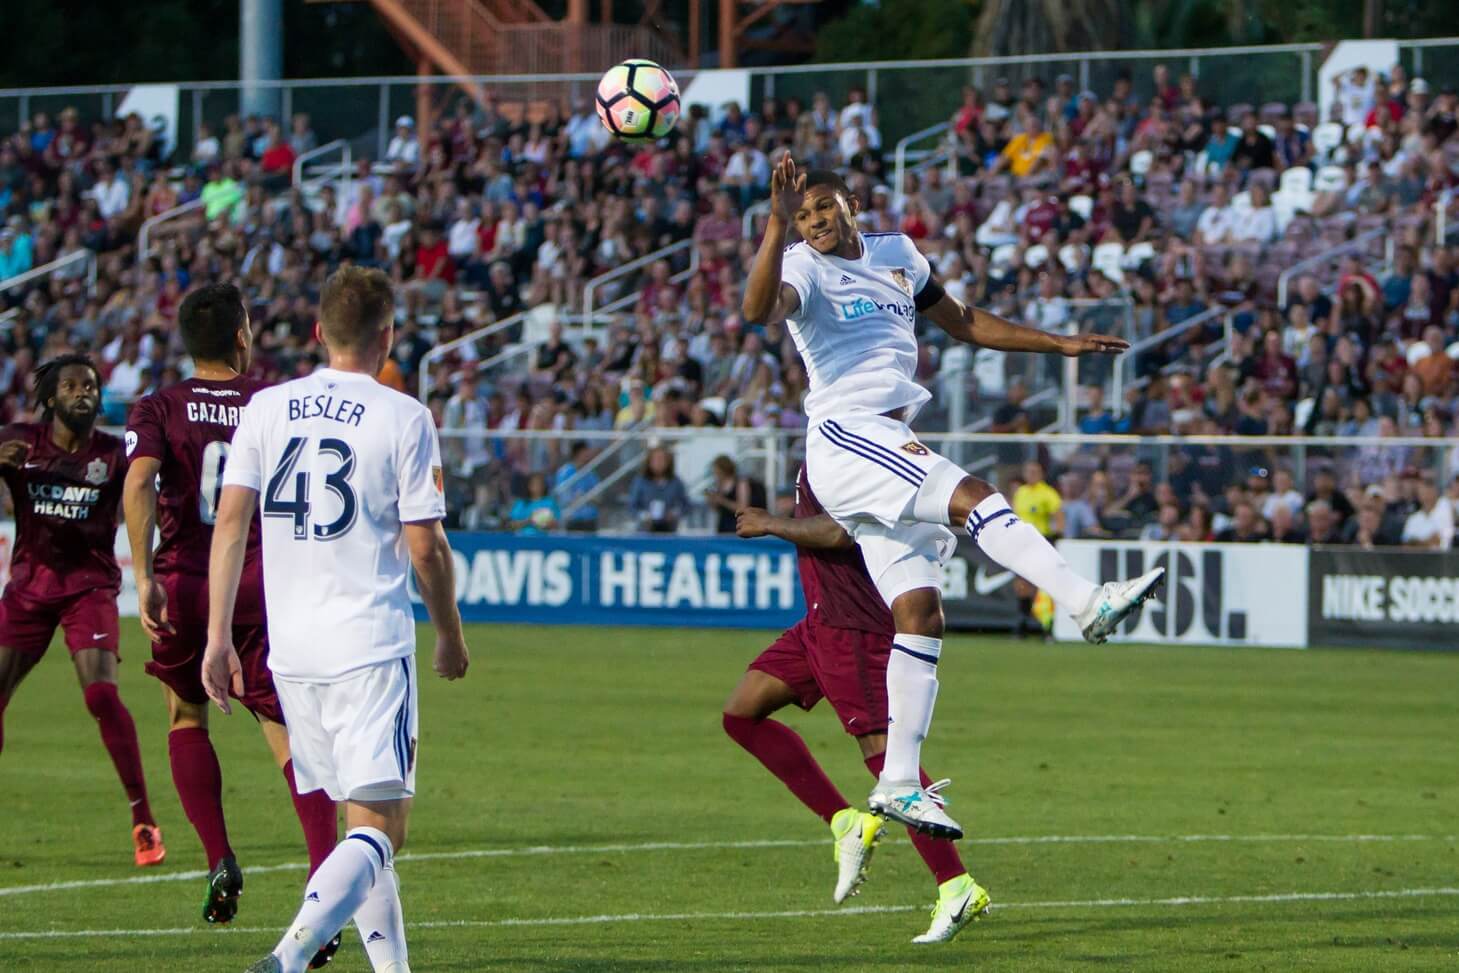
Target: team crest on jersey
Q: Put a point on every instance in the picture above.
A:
(900, 278)
(96, 472)
(915, 448)
(440, 479)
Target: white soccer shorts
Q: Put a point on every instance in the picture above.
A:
(890, 492)
(354, 738)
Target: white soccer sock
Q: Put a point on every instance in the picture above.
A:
(334, 894)
(911, 693)
(1020, 548)
(382, 925)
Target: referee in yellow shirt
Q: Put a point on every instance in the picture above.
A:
(1037, 503)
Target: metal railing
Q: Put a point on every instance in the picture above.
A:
(773, 454)
(341, 171)
(903, 149)
(144, 235)
(590, 290)
(747, 222)
(1356, 245)
(1129, 361)
(46, 270)
(442, 350)
(907, 94)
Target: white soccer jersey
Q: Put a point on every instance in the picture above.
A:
(856, 325)
(339, 462)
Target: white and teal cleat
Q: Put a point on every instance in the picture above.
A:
(1113, 601)
(960, 901)
(856, 834)
(269, 964)
(916, 807)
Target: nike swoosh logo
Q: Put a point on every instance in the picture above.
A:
(958, 916)
(98, 635)
(985, 583)
(31, 466)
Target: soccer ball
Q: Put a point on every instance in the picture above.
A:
(638, 101)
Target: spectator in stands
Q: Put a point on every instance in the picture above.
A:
(1245, 527)
(1221, 144)
(1254, 150)
(1258, 222)
(404, 147)
(1431, 525)
(1322, 524)
(657, 499)
(1284, 528)
(301, 136)
(536, 512)
(574, 481)
(731, 492)
(1029, 152)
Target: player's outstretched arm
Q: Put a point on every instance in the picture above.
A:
(139, 503)
(430, 555)
(13, 453)
(974, 326)
(818, 533)
(767, 297)
(221, 671)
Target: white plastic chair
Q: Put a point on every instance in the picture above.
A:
(1072, 255)
(1036, 256)
(1241, 202)
(1082, 205)
(1325, 138)
(1270, 131)
(1330, 179)
(1137, 254)
(1417, 352)
(1356, 133)
(1141, 162)
(1003, 256)
(1107, 259)
(1297, 179)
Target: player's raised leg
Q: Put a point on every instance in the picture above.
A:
(783, 752)
(97, 671)
(989, 519)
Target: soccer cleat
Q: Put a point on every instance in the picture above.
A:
(147, 845)
(1113, 601)
(918, 808)
(269, 964)
(326, 953)
(225, 885)
(959, 901)
(856, 834)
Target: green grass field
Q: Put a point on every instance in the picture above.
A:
(580, 809)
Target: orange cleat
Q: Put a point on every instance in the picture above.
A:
(147, 844)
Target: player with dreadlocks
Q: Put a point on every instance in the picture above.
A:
(65, 479)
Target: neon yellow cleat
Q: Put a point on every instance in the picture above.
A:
(856, 834)
(959, 901)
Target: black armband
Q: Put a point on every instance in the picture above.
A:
(929, 295)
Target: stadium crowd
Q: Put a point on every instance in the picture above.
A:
(1049, 197)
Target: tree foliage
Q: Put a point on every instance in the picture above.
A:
(899, 29)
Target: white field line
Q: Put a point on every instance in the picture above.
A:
(1182, 901)
(533, 850)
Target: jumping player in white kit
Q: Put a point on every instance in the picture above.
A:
(348, 474)
(851, 301)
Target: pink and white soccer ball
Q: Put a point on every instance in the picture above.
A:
(638, 101)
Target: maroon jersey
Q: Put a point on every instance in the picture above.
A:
(838, 591)
(187, 427)
(65, 513)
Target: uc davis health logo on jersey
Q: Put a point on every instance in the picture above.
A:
(858, 308)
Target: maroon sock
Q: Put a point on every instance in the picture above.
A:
(940, 854)
(119, 736)
(318, 817)
(784, 754)
(199, 783)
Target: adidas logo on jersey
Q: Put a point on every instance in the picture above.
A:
(376, 937)
(312, 897)
(845, 279)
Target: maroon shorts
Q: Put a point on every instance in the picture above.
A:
(177, 659)
(89, 620)
(842, 665)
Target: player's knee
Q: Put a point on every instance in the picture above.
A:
(969, 493)
(919, 613)
(101, 698)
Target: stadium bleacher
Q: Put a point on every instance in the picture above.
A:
(1280, 275)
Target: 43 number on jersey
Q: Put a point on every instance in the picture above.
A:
(287, 494)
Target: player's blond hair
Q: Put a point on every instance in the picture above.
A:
(357, 304)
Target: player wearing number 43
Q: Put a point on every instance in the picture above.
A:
(347, 473)
(177, 443)
(65, 480)
(851, 301)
